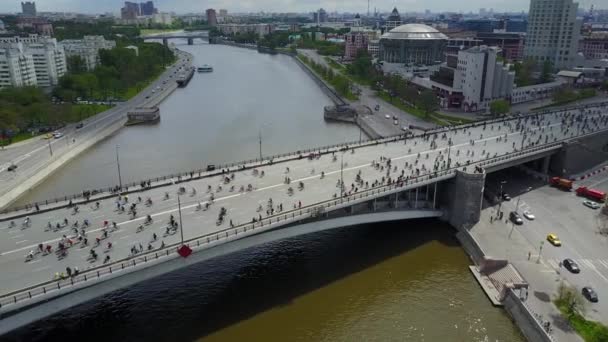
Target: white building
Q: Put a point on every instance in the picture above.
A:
(259, 29)
(87, 48)
(373, 47)
(162, 18)
(48, 57)
(553, 32)
(16, 66)
(482, 78)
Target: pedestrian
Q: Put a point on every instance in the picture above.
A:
(141, 248)
(37, 207)
(529, 255)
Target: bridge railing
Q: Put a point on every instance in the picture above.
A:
(257, 162)
(298, 214)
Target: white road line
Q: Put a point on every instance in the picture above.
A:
(553, 263)
(41, 269)
(603, 263)
(17, 236)
(22, 241)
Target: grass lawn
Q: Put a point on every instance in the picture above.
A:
(590, 331)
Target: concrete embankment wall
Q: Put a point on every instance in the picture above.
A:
(337, 99)
(580, 155)
(45, 171)
(524, 318)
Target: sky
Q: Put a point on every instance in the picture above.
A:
(188, 6)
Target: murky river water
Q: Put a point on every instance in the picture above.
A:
(404, 281)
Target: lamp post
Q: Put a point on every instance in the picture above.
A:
(179, 209)
(342, 178)
(118, 167)
(260, 140)
(540, 250)
(500, 196)
(50, 148)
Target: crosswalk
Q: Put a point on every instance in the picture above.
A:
(582, 263)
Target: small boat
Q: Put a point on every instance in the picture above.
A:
(205, 68)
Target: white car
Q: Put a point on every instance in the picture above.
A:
(529, 215)
(591, 204)
(396, 123)
(57, 135)
(387, 116)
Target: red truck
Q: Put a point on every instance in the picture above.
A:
(563, 183)
(593, 194)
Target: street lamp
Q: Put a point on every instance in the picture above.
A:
(500, 196)
(342, 178)
(118, 167)
(179, 209)
(540, 250)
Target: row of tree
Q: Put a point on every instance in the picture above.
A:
(120, 69)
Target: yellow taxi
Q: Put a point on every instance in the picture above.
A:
(47, 136)
(554, 240)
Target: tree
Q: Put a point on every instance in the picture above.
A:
(76, 64)
(499, 107)
(428, 102)
(570, 299)
(545, 74)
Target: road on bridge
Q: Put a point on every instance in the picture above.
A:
(245, 194)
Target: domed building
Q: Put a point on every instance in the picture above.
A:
(412, 43)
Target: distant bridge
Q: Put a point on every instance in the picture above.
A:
(189, 36)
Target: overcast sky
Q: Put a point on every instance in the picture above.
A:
(186, 6)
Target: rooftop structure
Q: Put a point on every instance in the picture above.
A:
(412, 43)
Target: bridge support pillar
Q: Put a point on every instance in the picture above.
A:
(165, 42)
(545, 165)
(190, 41)
(464, 196)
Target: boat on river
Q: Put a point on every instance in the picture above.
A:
(205, 68)
(143, 115)
(185, 77)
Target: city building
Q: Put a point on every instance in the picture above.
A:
(147, 8)
(131, 10)
(511, 44)
(39, 25)
(355, 41)
(595, 46)
(481, 25)
(211, 17)
(320, 16)
(393, 20)
(412, 43)
(162, 18)
(223, 12)
(373, 47)
(28, 8)
(482, 77)
(16, 66)
(87, 49)
(259, 29)
(2, 28)
(553, 32)
(516, 25)
(48, 57)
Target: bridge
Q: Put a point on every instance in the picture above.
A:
(438, 173)
(189, 36)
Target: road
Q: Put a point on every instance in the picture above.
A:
(367, 98)
(563, 213)
(415, 156)
(33, 156)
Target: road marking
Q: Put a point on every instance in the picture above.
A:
(41, 269)
(554, 264)
(603, 263)
(20, 242)
(587, 262)
(17, 236)
(124, 237)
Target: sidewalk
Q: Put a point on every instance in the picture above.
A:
(497, 240)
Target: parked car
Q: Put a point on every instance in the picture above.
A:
(591, 204)
(396, 123)
(554, 240)
(57, 135)
(571, 266)
(48, 136)
(80, 125)
(387, 116)
(12, 167)
(506, 197)
(515, 218)
(590, 294)
(529, 215)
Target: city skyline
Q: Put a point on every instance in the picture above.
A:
(300, 6)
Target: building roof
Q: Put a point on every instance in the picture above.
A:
(414, 31)
(568, 73)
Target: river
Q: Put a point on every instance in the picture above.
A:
(404, 281)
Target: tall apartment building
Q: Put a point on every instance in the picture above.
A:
(49, 62)
(481, 77)
(355, 41)
(131, 10)
(147, 8)
(87, 49)
(553, 32)
(16, 66)
(28, 8)
(211, 17)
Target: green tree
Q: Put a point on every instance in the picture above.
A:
(76, 65)
(545, 74)
(428, 102)
(499, 107)
(572, 300)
